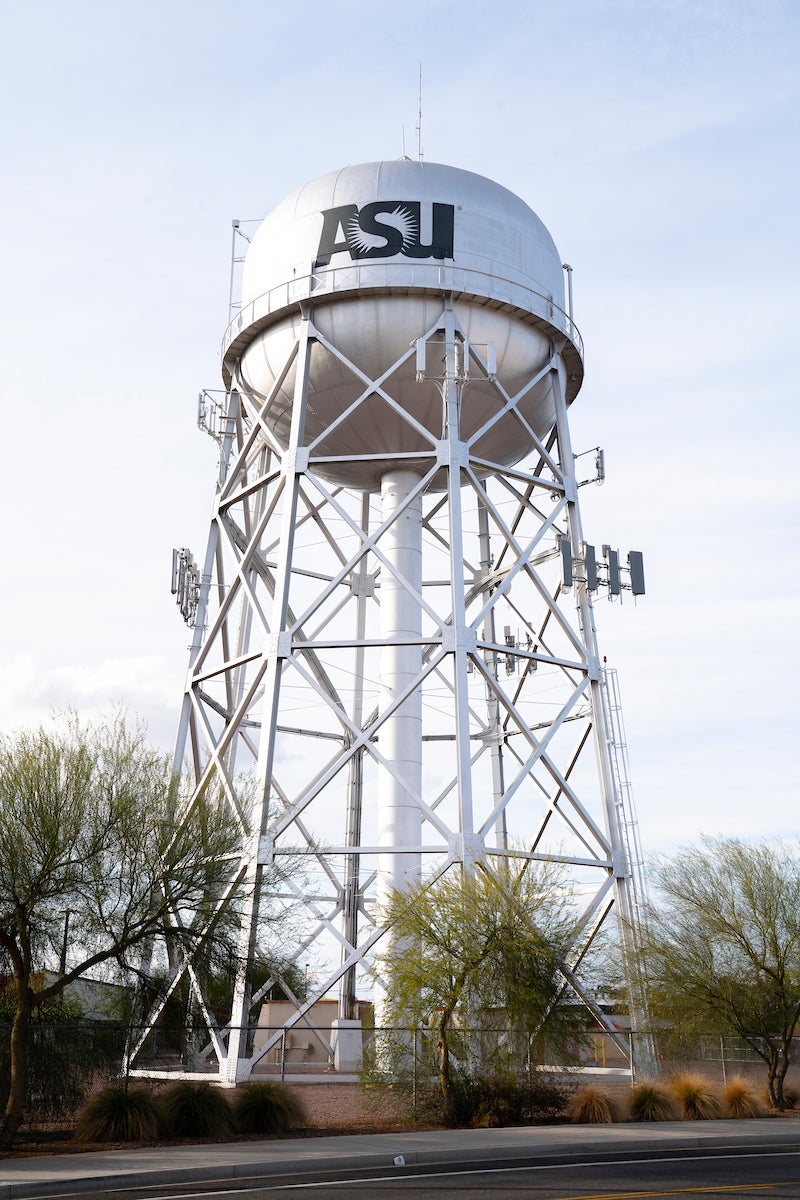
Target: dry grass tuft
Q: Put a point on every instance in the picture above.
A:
(197, 1110)
(650, 1101)
(740, 1099)
(590, 1105)
(120, 1114)
(267, 1106)
(694, 1097)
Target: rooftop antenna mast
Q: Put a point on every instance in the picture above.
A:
(419, 117)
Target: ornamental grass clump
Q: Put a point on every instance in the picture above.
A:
(650, 1101)
(197, 1110)
(740, 1099)
(120, 1114)
(268, 1107)
(590, 1105)
(694, 1097)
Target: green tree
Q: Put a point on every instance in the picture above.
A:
(723, 948)
(476, 948)
(57, 1059)
(91, 826)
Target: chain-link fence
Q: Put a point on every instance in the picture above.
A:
(64, 1063)
(68, 1061)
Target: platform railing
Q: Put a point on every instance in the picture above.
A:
(328, 282)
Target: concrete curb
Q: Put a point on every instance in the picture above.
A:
(115, 1170)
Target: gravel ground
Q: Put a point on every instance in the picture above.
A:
(349, 1107)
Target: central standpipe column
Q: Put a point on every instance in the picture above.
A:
(400, 735)
(346, 1039)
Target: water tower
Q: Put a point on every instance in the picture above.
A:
(394, 666)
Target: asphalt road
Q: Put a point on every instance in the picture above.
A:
(751, 1175)
(690, 1159)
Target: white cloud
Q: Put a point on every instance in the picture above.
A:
(142, 686)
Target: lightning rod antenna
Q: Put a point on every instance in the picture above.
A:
(419, 117)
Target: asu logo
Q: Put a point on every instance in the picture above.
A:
(383, 229)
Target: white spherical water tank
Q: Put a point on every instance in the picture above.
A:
(377, 250)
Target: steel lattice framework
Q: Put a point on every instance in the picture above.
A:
(286, 710)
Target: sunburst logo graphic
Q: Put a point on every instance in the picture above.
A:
(401, 218)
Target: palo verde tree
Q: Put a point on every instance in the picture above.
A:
(91, 832)
(722, 951)
(475, 948)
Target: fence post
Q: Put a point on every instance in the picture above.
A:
(722, 1059)
(129, 1035)
(283, 1055)
(414, 1068)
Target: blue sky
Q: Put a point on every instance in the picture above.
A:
(659, 143)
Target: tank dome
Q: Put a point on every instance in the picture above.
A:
(376, 251)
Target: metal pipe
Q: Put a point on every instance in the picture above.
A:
(568, 270)
(352, 864)
(400, 735)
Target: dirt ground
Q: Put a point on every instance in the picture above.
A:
(349, 1106)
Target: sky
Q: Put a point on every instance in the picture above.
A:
(657, 140)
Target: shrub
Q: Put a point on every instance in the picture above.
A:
(694, 1097)
(63, 1057)
(488, 1102)
(120, 1114)
(502, 1101)
(267, 1107)
(590, 1105)
(650, 1101)
(197, 1110)
(739, 1098)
